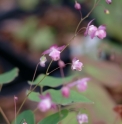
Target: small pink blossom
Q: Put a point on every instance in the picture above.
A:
(93, 31)
(101, 34)
(15, 98)
(61, 64)
(46, 103)
(76, 65)
(54, 52)
(108, 1)
(82, 118)
(82, 84)
(65, 91)
(42, 61)
(77, 6)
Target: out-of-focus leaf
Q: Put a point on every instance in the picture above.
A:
(108, 74)
(57, 97)
(42, 39)
(54, 118)
(51, 81)
(28, 116)
(27, 29)
(28, 4)
(34, 96)
(9, 76)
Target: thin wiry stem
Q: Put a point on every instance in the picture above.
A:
(49, 66)
(34, 75)
(29, 93)
(15, 108)
(6, 119)
(58, 68)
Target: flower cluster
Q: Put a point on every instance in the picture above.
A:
(81, 84)
(93, 31)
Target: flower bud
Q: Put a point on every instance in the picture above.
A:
(61, 64)
(42, 61)
(65, 91)
(108, 1)
(77, 6)
(15, 98)
(106, 11)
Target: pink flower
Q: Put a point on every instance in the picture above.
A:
(61, 64)
(45, 103)
(54, 52)
(76, 65)
(82, 84)
(42, 61)
(101, 34)
(82, 118)
(93, 31)
(65, 91)
(108, 1)
(77, 6)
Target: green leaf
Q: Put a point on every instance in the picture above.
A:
(55, 118)
(34, 96)
(28, 116)
(57, 97)
(51, 81)
(9, 76)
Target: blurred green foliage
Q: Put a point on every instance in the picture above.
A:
(113, 21)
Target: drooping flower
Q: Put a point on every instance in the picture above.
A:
(65, 91)
(45, 103)
(93, 31)
(82, 118)
(76, 65)
(108, 1)
(77, 5)
(54, 52)
(82, 84)
(42, 61)
(61, 64)
(101, 34)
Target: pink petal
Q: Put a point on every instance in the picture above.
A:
(46, 52)
(92, 34)
(86, 32)
(102, 27)
(72, 84)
